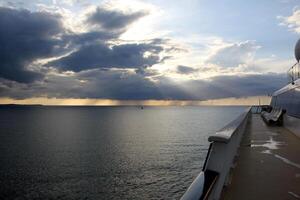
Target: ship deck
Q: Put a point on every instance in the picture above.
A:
(268, 165)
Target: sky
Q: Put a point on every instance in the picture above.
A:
(151, 50)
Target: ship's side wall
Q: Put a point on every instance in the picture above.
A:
(288, 98)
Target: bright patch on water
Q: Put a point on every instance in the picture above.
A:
(104, 152)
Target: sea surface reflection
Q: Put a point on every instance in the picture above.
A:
(104, 152)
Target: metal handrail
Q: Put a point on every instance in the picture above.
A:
(219, 160)
(294, 72)
(195, 191)
(224, 135)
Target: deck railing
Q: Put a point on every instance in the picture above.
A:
(294, 72)
(219, 161)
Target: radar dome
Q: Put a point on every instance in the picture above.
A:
(297, 51)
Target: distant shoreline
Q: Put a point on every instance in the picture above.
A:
(145, 106)
(231, 101)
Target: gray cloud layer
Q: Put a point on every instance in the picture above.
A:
(100, 68)
(113, 20)
(234, 55)
(185, 69)
(101, 56)
(123, 85)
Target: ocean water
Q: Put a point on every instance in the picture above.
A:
(104, 152)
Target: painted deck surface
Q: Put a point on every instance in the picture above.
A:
(268, 165)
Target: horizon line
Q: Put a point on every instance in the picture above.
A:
(230, 101)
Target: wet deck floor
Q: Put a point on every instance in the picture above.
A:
(268, 165)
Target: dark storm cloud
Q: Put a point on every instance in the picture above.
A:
(89, 37)
(250, 85)
(221, 87)
(232, 86)
(94, 50)
(124, 85)
(24, 37)
(113, 20)
(185, 70)
(120, 85)
(116, 84)
(27, 36)
(102, 56)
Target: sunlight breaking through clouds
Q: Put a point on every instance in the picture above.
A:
(130, 50)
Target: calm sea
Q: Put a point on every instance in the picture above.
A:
(104, 152)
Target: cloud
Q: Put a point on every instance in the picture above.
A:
(102, 48)
(234, 55)
(123, 84)
(27, 36)
(40, 57)
(89, 37)
(24, 37)
(293, 21)
(102, 56)
(250, 85)
(185, 70)
(113, 19)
